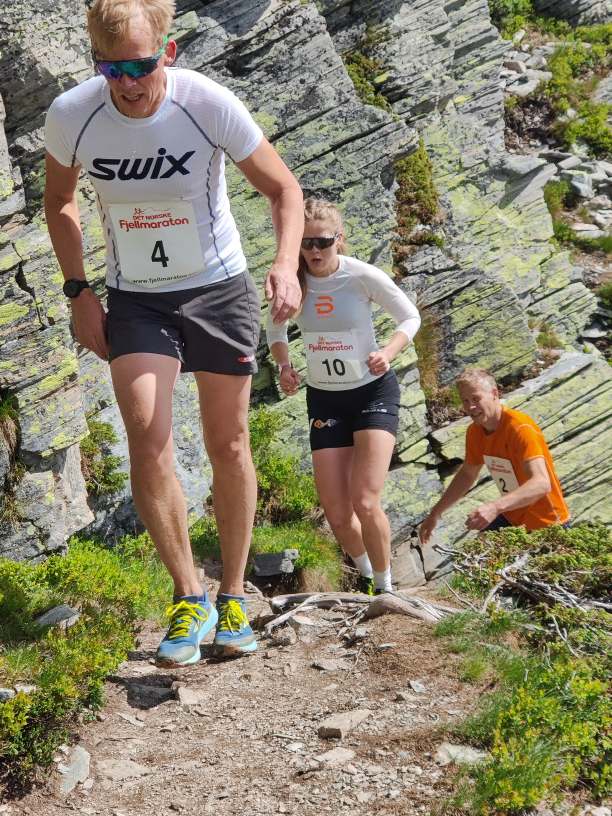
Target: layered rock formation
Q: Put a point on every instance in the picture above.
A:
(577, 12)
(497, 269)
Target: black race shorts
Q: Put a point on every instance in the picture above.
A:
(211, 328)
(335, 415)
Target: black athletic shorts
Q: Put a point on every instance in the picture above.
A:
(335, 415)
(211, 328)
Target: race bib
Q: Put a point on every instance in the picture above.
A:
(502, 473)
(157, 242)
(332, 358)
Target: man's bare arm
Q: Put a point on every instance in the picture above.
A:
(535, 488)
(267, 172)
(461, 483)
(64, 225)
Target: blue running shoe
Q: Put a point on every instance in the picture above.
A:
(191, 619)
(234, 635)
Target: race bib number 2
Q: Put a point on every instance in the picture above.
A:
(332, 358)
(158, 243)
(502, 473)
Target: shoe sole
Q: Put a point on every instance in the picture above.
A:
(209, 623)
(229, 650)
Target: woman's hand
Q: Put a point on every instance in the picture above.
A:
(289, 379)
(378, 362)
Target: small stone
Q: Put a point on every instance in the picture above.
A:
(337, 756)
(131, 720)
(270, 564)
(88, 784)
(363, 797)
(100, 717)
(295, 747)
(328, 665)
(417, 686)
(6, 694)
(62, 616)
(299, 622)
(518, 36)
(75, 770)
(360, 633)
(516, 66)
(287, 636)
(166, 729)
(459, 754)
(339, 725)
(118, 770)
(23, 688)
(189, 697)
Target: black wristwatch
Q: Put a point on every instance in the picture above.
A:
(73, 287)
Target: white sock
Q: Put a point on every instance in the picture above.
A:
(362, 562)
(382, 580)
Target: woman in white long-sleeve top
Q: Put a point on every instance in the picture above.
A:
(352, 393)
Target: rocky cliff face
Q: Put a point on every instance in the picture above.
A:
(577, 12)
(496, 270)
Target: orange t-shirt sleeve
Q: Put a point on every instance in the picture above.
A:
(473, 448)
(528, 443)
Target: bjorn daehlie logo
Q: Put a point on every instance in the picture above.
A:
(142, 168)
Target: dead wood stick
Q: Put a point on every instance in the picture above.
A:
(287, 615)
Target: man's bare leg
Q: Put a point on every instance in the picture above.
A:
(224, 401)
(143, 386)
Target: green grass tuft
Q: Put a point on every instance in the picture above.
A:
(99, 467)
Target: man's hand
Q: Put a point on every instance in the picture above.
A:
(289, 380)
(89, 323)
(482, 516)
(427, 527)
(378, 362)
(283, 293)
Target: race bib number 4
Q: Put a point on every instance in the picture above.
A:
(157, 242)
(332, 358)
(502, 473)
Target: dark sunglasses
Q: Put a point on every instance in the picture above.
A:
(135, 69)
(320, 242)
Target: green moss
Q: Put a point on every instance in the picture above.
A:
(6, 184)
(604, 293)
(364, 68)
(416, 195)
(66, 370)
(557, 195)
(12, 312)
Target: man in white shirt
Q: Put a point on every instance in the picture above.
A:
(153, 140)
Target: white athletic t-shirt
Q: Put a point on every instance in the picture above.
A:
(336, 323)
(159, 181)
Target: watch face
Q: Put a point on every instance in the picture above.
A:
(73, 287)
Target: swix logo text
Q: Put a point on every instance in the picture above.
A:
(324, 305)
(137, 169)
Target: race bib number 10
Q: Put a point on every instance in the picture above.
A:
(333, 358)
(502, 473)
(158, 242)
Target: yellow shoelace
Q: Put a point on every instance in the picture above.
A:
(182, 616)
(231, 618)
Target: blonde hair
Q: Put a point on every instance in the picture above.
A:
(475, 376)
(108, 21)
(318, 209)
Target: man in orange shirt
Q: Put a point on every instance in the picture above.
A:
(515, 452)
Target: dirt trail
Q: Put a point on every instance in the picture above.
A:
(242, 737)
